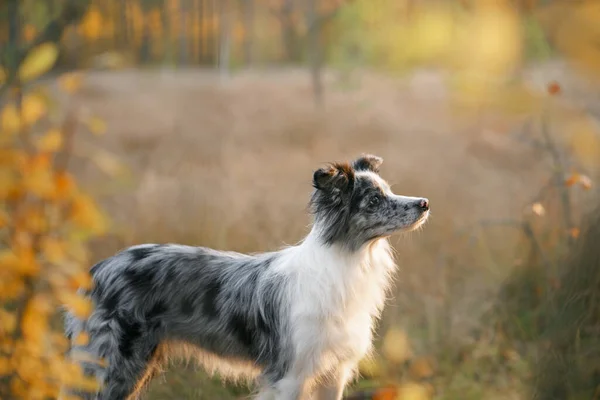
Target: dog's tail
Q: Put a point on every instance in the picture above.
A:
(89, 341)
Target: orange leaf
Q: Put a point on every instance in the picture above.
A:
(554, 88)
(571, 180)
(574, 232)
(388, 393)
(64, 185)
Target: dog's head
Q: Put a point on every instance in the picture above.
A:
(353, 205)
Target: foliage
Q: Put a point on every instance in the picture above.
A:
(45, 223)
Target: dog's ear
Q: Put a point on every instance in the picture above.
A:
(368, 162)
(334, 177)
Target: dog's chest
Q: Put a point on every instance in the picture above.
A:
(332, 323)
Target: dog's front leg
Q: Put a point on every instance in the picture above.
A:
(288, 388)
(332, 387)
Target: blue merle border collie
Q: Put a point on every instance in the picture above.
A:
(297, 321)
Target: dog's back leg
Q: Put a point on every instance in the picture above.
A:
(131, 363)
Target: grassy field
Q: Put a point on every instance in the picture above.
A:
(229, 166)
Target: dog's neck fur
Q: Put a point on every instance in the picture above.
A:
(343, 278)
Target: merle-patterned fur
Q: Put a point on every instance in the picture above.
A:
(242, 314)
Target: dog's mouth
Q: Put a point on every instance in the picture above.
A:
(420, 221)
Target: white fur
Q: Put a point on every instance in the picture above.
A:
(336, 297)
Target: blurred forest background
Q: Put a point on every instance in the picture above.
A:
(201, 121)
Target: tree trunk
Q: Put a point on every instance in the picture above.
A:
(145, 45)
(249, 32)
(289, 33)
(314, 52)
(183, 32)
(225, 16)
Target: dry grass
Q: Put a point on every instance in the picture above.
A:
(229, 165)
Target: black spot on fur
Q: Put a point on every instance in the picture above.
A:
(141, 253)
(241, 329)
(157, 310)
(142, 278)
(187, 306)
(170, 275)
(209, 305)
(130, 332)
(111, 301)
(97, 290)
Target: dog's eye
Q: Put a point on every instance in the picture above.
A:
(375, 200)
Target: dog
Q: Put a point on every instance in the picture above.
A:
(296, 321)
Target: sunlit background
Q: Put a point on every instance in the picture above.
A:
(201, 122)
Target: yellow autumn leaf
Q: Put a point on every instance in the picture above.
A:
(96, 125)
(53, 249)
(80, 306)
(92, 24)
(431, 33)
(33, 220)
(414, 391)
(8, 260)
(8, 184)
(396, 346)
(34, 324)
(70, 82)
(51, 141)
(4, 218)
(38, 61)
(2, 75)
(37, 176)
(8, 322)
(82, 339)
(85, 214)
(33, 108)
(11, 121)
(81, 280)
(369, 367)
(489, 46)
(5, 365)
(11, 286)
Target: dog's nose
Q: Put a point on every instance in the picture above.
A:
(424, 204)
